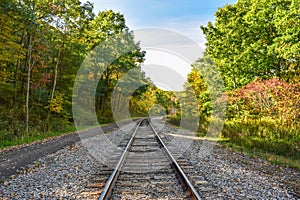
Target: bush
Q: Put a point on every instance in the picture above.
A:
(261, 128)
(273, 98)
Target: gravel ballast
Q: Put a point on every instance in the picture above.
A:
(65, 174)
(234, 175)
(62, 175)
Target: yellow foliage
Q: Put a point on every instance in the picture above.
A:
(56, 104)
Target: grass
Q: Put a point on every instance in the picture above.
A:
(259, 139)
(280, 153)
(264, 137)
(7, 139)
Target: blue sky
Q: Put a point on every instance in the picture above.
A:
(184, 16)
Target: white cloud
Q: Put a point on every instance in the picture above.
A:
(172, 54)
(166, 70)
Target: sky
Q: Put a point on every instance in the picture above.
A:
(182, 16)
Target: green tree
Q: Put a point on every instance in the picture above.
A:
(109, 25)
(248, 40)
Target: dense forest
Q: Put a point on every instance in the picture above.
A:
(254, 45)
(43, 44)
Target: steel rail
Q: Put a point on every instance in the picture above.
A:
(107, 190)
(177, 168)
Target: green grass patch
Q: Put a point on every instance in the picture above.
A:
(282, 152)
(261, 137)
(264, 137)
(7, 139)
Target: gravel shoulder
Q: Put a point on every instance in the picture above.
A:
(17, 158)
(235, 175)
(65, 173)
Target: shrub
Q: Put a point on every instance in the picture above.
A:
(273, 98)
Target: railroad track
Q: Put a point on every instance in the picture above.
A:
(145, 170)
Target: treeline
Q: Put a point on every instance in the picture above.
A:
(42, 46)
(255, 47)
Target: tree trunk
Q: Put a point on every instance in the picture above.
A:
(29, 65)
(55, 76)
(16, 80)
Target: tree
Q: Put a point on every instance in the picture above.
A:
(40, 49)
(286, 45)
(10, 48)
(247, 40)
(109, 32)
(43, 44)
